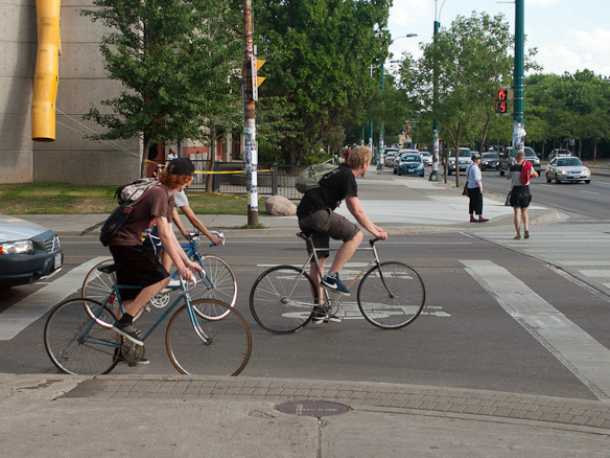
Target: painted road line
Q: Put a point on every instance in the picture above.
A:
(20, 315)
(586, 262)
(586, 358)
(595, 273)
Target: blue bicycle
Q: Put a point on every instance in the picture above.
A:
(217, 281)
(80, 340)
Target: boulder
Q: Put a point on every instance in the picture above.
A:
(280, 206)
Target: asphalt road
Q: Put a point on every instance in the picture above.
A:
(464, 338)
(589, 201)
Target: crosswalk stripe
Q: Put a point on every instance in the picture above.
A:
(30, 309)
(596, 273)
(586, 358)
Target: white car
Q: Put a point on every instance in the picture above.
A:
(464, 160)
(427, 157)
(567, 169)
(388, 158)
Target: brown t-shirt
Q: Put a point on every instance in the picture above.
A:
(154, 203)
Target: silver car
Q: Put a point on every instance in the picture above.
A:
(427, 157)
(28, 252)
(567, 169)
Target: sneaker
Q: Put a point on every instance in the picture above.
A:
(482, 220)
(130, 332)
(173, 285)
(320, 316)
(333, 281)
(142, 360)
(526, 235)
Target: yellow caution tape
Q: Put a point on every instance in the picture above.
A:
(214, 172)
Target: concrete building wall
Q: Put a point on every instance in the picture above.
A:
(17, 60)
(83, 81)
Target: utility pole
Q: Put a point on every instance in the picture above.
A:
(435, 139)
(382, 124)
(518, 77)
(249, 90)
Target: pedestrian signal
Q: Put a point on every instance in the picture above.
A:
(502, 100)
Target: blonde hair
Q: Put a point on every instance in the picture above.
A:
(358, 157)
(173, 181)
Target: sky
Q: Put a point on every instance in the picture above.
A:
(570, 34)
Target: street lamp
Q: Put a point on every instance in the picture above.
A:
(435, 124)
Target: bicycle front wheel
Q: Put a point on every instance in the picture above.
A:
(391, 295)
(97, 285)
(218, 281)
(75, 343)
(282, 299)
(196, 345)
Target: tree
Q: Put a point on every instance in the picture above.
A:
(318, 57)
(174, 59)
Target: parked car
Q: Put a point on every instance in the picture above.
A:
(490, 160)
(410, 163)
(464, 160)
(28, 252)
(508, 159)
(559, 152)
(427, 157)
(388, 157)
(568, 169)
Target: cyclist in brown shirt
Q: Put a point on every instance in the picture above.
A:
(137, 264)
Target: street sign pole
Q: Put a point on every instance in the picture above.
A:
(519, 84)
(250, 93)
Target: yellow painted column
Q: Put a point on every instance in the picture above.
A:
(46, 76)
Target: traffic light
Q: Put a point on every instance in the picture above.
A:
(502, 100)
(256, 65)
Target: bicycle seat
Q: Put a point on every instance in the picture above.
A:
(303, 236)
(111, 268)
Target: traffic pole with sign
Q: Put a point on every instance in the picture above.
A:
(250, 83)
(518, 77)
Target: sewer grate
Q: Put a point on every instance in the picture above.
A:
(313, 408)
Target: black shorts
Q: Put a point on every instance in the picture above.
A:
(324, 224)
(137, 268)
(520, 197)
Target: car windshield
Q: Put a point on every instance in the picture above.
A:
(465, 153)
(490, 156)
(410, 158)
(569, 162)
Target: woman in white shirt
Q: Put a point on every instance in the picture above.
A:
(475, 190)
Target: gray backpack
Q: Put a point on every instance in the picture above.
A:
(311, 176)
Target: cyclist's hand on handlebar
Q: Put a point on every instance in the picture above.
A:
(216, 240)
(195, 267)
(186, 274)
(381, 234)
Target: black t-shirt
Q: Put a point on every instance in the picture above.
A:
(335, 186)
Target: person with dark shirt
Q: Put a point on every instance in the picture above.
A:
(137, 264)
(318, 220)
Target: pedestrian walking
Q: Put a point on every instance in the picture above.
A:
(521, 172)
(474, 190)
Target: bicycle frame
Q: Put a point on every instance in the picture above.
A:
(184, 295)
(313, 256)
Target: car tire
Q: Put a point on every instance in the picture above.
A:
(394, 171)
(548, 179)
(501, 173)
(587, 181)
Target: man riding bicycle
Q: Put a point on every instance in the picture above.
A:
(137, 264)
(318, 220)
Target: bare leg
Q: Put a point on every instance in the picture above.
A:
(516, 221)
(134, 307)
(346, 252)
(316, 272)
(526, 219)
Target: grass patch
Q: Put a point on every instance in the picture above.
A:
(60, 199)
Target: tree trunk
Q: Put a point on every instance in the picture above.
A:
(484, 133)
(144, 156)
(595, 150)
(580, 148)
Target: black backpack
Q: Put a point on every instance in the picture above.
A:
(128, 196)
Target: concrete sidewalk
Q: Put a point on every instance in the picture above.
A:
(135, 416)
(402, 205)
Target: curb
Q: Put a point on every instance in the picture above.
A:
(445, 401)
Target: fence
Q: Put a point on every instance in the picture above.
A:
(230, 177)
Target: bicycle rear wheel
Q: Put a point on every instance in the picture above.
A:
(197, 346)
(282, 299)
(217, 282)
(391, 295)
(75, 343)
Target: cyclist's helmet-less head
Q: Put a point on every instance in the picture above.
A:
(178, 172)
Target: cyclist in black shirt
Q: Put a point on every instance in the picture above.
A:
(318, 219)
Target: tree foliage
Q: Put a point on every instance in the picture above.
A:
(174, 59)
(318, 57)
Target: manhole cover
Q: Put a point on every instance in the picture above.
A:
(312, 408)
